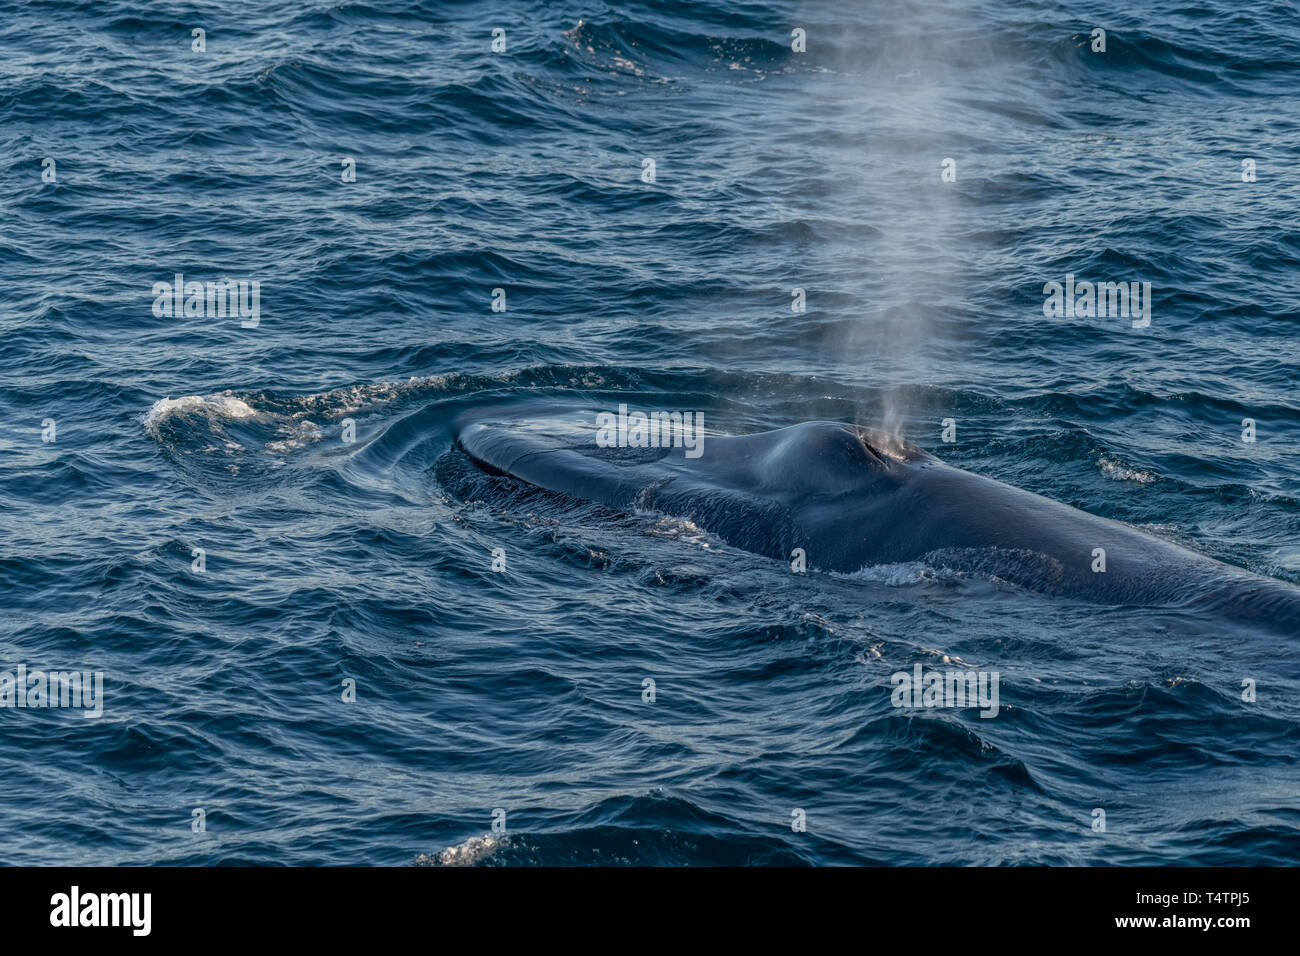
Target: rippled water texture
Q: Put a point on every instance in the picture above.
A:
(327, 561)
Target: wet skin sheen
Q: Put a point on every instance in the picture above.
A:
(851, 497)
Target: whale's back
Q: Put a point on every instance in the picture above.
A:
(852, 497)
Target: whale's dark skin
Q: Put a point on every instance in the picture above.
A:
(852, 497)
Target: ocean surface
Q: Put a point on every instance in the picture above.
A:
(242, 521)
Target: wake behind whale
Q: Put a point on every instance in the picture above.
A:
(843, 497)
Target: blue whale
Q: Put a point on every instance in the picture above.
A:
(851, 497)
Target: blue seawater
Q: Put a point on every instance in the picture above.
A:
(329, 564)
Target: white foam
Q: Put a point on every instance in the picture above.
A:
(299, 435)
(686, 531)
(223, 405)
(892, 575)
(469, 852)
(1118, 472)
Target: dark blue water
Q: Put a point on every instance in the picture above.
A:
(371, 560)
